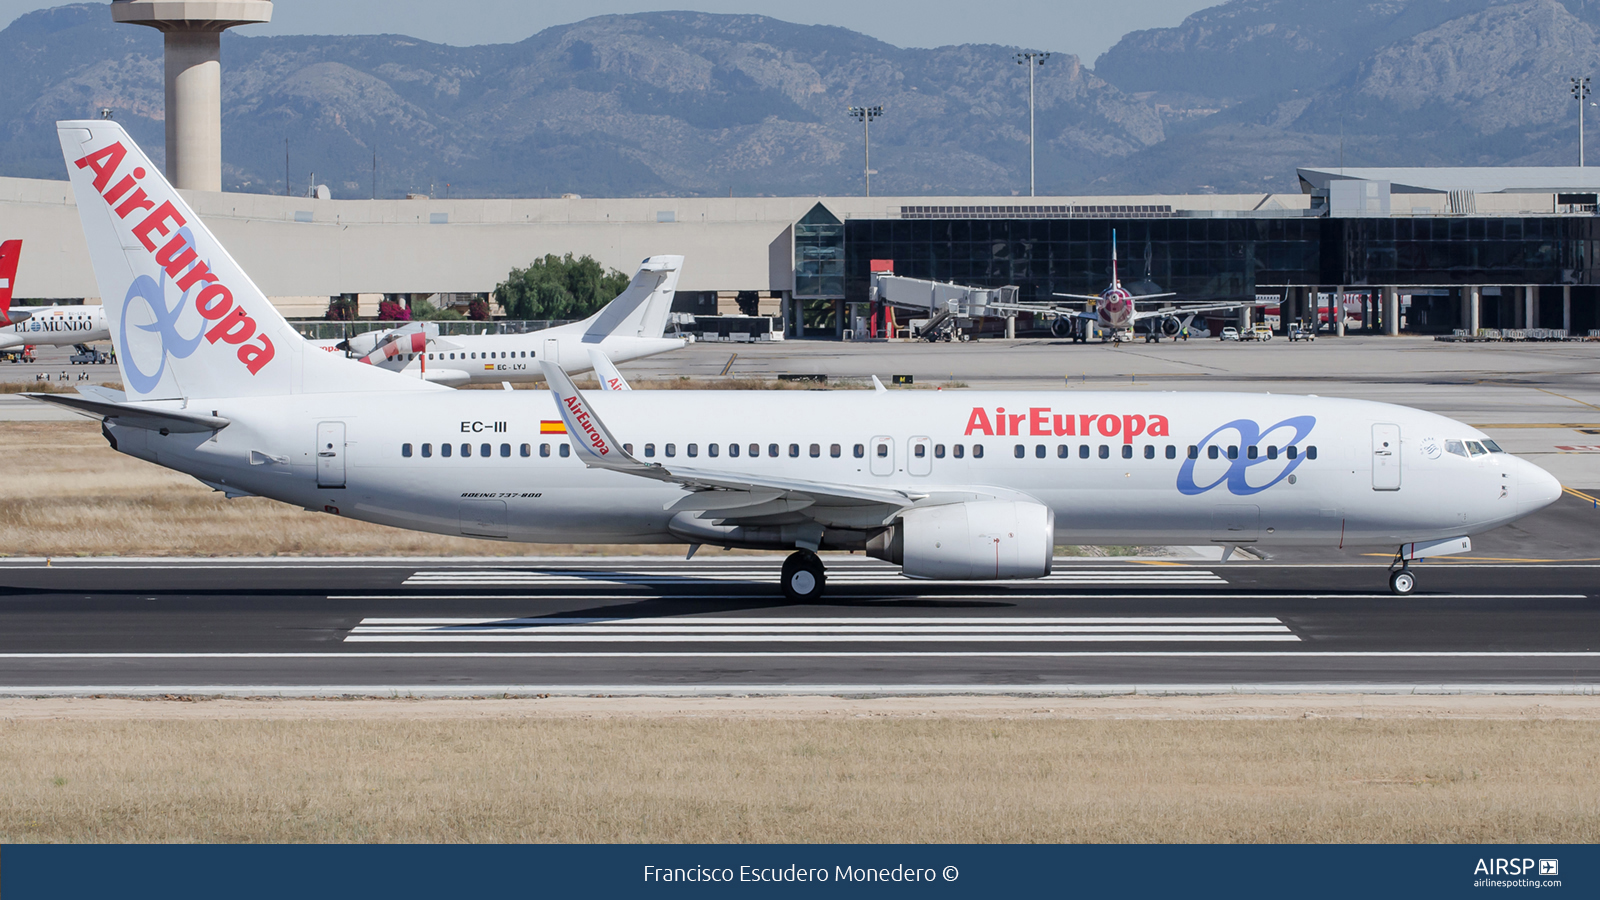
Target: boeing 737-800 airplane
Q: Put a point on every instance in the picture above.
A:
(948, 485)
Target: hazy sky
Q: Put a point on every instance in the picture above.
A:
(1084, 27)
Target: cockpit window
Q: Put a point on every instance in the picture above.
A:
(1456, 447)
(1476, 449)
(1492, 446)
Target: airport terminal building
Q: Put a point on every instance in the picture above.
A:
(1417, 250)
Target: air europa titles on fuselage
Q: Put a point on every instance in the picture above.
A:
(1042, 421)
(177, 256)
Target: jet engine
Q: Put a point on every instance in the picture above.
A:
(975, 541)
(1062, 326)
(1170, 326)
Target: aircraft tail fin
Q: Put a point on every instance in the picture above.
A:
(9, 253)
(186, 320)
(641, 310)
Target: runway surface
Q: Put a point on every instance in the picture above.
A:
(658, 625)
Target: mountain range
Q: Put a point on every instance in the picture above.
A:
(685, 103)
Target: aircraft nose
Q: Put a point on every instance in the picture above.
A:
(1536, 488)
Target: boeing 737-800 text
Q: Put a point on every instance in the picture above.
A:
(948, 485)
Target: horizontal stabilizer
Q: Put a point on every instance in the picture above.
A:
(173, 421)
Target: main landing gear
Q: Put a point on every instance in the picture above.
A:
(803, 576)
(1401, 579)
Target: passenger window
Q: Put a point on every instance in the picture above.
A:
(649, 450)
(860, 450)
(1194, 452)
(959, 451)
(427, 450)
(690, 450)
(1311, 452)
(1172, 452)
(733, 449)
(670, 450)
(1233, 451)
(444, 450)
(1020, 451)
(486, 450)
(1272, 453)
(794, 451)
(1292, 452)
(1250, 451)
(1149, 451)
(919, 451)
(755, 450)
(1083, 451)
(816, 450)
(466, 450)
(527, 450)
(1063, 451)
(1105, 451)
(405, 450)
(977, 451)
(544, 450)
(566, 450)
(505, 449)
(1038, 451)
(1212, 452)
(1127, 451)
(772, 449)
(711, 450)
(883, 450)
(1457, 447)
(628, 449)
(833, 450)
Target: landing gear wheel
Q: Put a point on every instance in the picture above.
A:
(1402, 582)
(803, 577)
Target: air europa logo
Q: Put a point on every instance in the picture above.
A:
(178, 260)
(1271, 466)
(586, 425)
(1042, 421)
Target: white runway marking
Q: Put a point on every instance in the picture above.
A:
(822, 630)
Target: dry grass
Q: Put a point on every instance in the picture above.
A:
(509, 773)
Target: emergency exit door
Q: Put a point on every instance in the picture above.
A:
(330, 454)
(1386, 457)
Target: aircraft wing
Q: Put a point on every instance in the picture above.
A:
(1171, 310)
(1061, 311)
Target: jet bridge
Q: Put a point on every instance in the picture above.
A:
(947, 309)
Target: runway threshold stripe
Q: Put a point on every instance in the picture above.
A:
(502, 637)
(618, 621)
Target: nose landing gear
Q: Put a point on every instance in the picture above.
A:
(803, 576)
(1401, 579)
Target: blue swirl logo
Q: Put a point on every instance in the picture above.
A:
(174, 345)
(1237, 475)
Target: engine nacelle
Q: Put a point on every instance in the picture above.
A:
(976, 541)
(1170, 326)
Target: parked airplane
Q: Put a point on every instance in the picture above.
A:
(947, 485)
(59, 326)
(632, 326)
(1116, 312)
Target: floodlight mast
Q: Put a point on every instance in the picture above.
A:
(1580, 93)
(1031, 59)
(866, 114)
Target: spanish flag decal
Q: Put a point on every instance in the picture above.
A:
(549, 426)
(488, 367)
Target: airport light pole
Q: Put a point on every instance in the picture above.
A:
(1580, 93)
(1031, 59)
(866, 114)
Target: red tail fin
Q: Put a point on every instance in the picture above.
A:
(9, 252)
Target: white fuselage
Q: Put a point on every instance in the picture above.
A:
(493, 358)
(60, 326)
(1346, 491)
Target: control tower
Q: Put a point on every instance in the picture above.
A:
(193, 30)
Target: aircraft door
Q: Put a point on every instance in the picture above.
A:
(882, 455)
(919, 456)
(1386, 457)
(330, 454)
(552, 350)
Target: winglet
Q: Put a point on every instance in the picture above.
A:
(606, 371)
(877, 386)
(591, 440)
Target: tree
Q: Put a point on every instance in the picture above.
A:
(390, 311)
(559, 287)
(478, 310)
(341, 309)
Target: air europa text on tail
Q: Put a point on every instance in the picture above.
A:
(214, 300)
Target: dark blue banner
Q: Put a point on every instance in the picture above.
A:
(395, 872)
